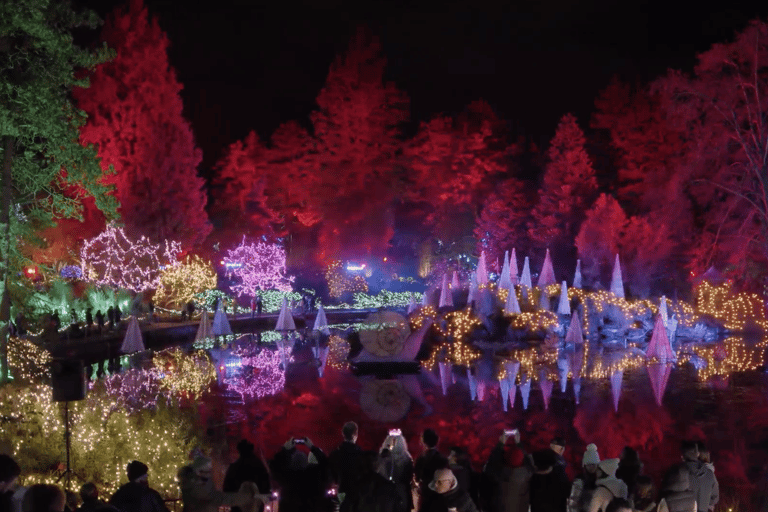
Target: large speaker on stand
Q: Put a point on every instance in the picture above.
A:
(68, 380)
(68, 383)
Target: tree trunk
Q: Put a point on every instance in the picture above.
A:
(5, 254)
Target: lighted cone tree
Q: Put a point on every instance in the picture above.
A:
(180, 283)
(113, 259)
(258, 266)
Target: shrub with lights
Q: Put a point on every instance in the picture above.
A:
(257, 266)
(105, 437)
(114, 259)
(180, 283)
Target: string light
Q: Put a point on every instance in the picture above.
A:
(185, 375)
(113, 259)
(260, 373)
(339, 282)
(338, 350)
(180, 283)
(259, 266)
(28, 362)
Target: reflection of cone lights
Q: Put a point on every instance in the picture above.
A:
(525, 391)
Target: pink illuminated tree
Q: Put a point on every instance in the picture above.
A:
(113, 259)
(261, 374)
(259, 266)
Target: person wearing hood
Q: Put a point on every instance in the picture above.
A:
(550, 486)
(303, 478)
(585, 484)
(706, 457)
(510, 476)
(449, 496)
(676, 493)
(247, 468)
(608, 486)
(199, 494)
(136, 495)
(703, 482)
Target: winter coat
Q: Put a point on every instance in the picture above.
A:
(344, 464)
(676, 494)
(607, 489)
(200, 495)
(581, 495)
(629, 473)
(136, 497)
(301, 490)
(703, 484)
(96, 506)
(550, 491)
(510, 484)
(374, 493)
(399, 470)
(246, 469)
(424, 471)
(455, 498)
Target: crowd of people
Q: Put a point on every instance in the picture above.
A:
(302, 478)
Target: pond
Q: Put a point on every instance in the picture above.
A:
(266, 388)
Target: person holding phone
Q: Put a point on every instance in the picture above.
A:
(395, 463)
(509, 473)
(302, 477)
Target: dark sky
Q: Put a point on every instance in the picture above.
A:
(253, 65)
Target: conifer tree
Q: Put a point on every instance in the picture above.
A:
(38, 128)
(569, 187)
(136, 119)
(503, 220)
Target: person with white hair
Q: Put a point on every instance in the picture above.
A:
(449, 495)
(396, 464)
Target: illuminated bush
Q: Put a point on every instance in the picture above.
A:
(180, 283)
(339, 282)
(258, 266)
(105, 437)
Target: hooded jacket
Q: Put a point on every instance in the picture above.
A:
(455, 498)
(676, 494)
(703, 484)
(607, 489)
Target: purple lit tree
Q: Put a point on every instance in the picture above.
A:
(261, 374)
(113, 259)
(259, 266)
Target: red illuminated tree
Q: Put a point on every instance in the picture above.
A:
(644, 243)
(452, 166)
(135, 116)
(722, 111)
(504, 218)
(568, 188)
(334, 188)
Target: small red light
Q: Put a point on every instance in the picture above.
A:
(385, 258)
(30, 271)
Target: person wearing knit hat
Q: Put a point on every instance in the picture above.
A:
(136, 495)
(608, 486)
(584, 485)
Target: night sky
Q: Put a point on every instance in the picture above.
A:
(253, 65)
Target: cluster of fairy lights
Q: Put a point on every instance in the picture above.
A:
(455, 348)
(258, 266)
(339, 282)
(180, 283)
(187, 375)
(28, 362)
(733, 309)
(261, 373)
(733, 356)
(338, 349)
(109, 429)
(113, 259)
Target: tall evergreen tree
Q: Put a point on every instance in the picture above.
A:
(503, 220)
(39, 130)
(569, 187)
(136, 119)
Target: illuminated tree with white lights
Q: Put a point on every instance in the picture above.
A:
(180, 283)
(113, 259)
(258, 266)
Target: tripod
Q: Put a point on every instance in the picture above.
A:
(68, 473)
